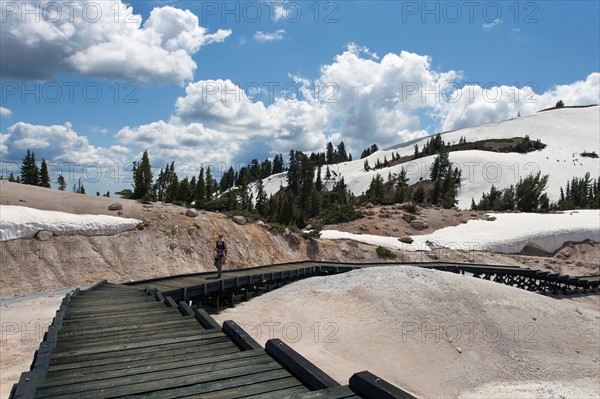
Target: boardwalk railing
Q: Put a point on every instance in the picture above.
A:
(204, 289)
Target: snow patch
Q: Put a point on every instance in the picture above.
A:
(509, 233)
(23, 222)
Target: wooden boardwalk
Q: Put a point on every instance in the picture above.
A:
(204, 288)
(118, 341)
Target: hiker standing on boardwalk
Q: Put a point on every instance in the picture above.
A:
(220, 254)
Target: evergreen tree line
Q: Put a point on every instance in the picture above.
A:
(34, 175)
(445, 179)
(303, 199)
(580, 193)
(528, 195)
(433, 146)
(368, 151)
(331, 155)
(379, 164)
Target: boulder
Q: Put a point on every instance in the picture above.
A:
(406, 239)
(352, 244)
(191, 213)
(116, 206)
(172, 246)
(44, 235)
(406, 205)
(240, 220)
(419, 225)
(369, 205)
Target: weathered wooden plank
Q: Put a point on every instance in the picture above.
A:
(93, 374)
(151, 382)
(157, 354)
(84, 331)
(341, 392)
(309, 374)
(134, 345)
(279, 393)
(236, 387)
(369, 386)
(123, 338)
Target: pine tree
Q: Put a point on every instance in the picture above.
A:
(416, 154)
(419, 195)
(11, 178)
(440, 167)
(29, 170)
(342, 156)
(366, 165)
(142, 177)
(244, 195)
(210, 188)
(62, 185)
(529, 192)
(319, 183)
(261, 199)
(329, 153)
(171, 184)
(327, 173)
(200, 194)
(307, 174)
(44, 176)
(278, 164)
(266, 168)
(293, 173)
(376, 190)
(182, 191)
(78, 188)
(401, 193)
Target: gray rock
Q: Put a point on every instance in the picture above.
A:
(419, 225)
(191, 213)
(406, 239)
(353, 244)
(44, 235)
(117, 206)
(173, 245)
(240, 220)
(369, 205)
(406, 205)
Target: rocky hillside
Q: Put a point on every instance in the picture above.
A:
(170, 240)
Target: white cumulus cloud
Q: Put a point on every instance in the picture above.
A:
(5, 112)
(262, 37)
(104, 39)
(491, 25)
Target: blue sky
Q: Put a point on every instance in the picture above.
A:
(95, 83)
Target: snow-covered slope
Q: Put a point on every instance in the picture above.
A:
(509, 233)
(566, 132)
(22, 222)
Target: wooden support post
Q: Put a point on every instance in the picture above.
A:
(369, 386)
(309, 374)
(239, 336)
